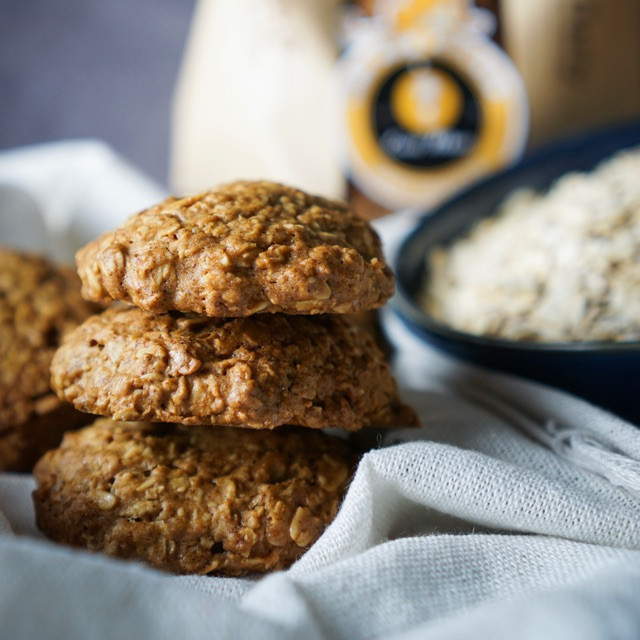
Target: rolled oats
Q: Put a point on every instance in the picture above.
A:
(558, 266)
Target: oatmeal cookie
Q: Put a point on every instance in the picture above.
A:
(39, 302)
(259, 372)
(241, 249)
(192, 499)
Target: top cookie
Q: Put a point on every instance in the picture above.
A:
(244, 248)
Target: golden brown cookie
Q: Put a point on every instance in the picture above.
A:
(39, 302)
(260, 372)
(244, 248)
(192, 499)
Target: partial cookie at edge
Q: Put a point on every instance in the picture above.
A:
(39, 302)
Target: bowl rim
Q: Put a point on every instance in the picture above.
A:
(404, 304)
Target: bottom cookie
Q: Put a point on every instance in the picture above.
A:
(192, 499)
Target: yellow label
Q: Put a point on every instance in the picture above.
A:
(421, 126)
(411, 14)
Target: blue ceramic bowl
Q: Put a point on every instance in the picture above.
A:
(605, 373)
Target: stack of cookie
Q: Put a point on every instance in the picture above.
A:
(240, 329)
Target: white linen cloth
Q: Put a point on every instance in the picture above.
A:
(465, 528)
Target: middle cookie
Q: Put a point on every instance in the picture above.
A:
(260, 371)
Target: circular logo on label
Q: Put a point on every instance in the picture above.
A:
(420, 119)
(424, 114)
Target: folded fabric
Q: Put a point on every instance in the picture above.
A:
(71, 191)
(486, 522)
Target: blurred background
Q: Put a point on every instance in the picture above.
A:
(85, 68)
(392, 103)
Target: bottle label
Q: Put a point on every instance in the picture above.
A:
(421, 122)
(425, 115)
